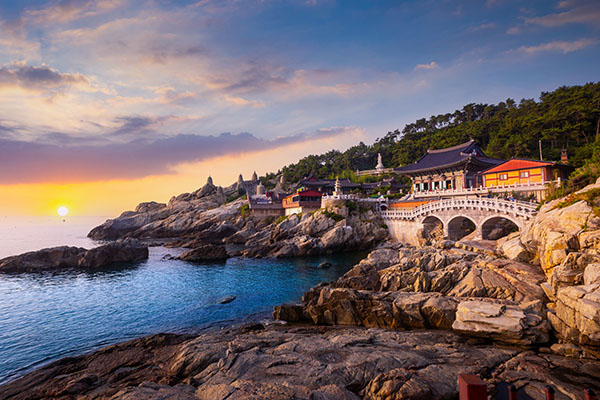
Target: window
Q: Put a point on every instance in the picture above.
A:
(503, 177)
(524, 174)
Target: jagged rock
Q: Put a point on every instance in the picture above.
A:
(501, 322)
(206, 252)
(576, 317)
(591, 275)
(554, 232)
(75, 257)
(513, 249)
(149, 206)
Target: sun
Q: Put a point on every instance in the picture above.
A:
(62, 211)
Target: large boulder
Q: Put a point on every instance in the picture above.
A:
(501, 322)
(75, 257)
(208, 252)
(561, 228)
(576, 316)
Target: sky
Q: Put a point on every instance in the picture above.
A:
(104, 104)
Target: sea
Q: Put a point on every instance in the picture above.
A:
(49, 315)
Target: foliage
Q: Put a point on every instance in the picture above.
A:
(232, 197)
(334, 216)
(591, 197)
(351, 206)
(568, 117)
(245, 210)
(280, 219)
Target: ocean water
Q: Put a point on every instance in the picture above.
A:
(49, 315)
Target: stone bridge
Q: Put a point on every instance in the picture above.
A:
(456, 217)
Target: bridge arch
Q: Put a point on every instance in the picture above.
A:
(460, 226)
(433, 227)
(496, 226)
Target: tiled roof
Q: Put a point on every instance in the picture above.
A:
(449, 157)
(312, 181)
(518, 163)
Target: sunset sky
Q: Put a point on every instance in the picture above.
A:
(104, 104)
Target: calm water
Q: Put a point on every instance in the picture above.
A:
(47, 316)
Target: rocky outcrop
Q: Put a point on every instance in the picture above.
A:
(499, 320)
(194, 220)
(75, 257)
(205, 253)
(300, 362)
(183, 214)
(576, 315)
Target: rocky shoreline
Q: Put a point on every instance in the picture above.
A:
(401, 324)
(66, 257)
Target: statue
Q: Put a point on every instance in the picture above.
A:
(379, 166)
(254, 177)
(209, 181)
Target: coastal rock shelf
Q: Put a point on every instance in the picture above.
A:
(299, 363)
(75, 257)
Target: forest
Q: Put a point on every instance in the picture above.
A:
(568, 117)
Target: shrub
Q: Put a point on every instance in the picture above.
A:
(245, 210)
(334, 216)
(280, 219)
(591, 197)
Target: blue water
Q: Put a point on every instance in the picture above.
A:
(46, 316)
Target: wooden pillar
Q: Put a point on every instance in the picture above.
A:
(471, 387)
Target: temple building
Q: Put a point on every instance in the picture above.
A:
(450, 169)
(302, 201)
(528, 177)
(327, 185)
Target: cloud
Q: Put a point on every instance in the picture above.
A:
(431, 65)
(582, 13)
(558, 46)
(39, 78)
(29, 162)
(64, 11)
(482, 27)
(515, 30)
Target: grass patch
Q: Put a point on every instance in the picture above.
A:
(280, 219)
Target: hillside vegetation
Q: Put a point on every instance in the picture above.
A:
(568, 117)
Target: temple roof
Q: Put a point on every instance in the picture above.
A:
(313, 181)
(521, 163)
(454, 156)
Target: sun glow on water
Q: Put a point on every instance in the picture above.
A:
(62, 211)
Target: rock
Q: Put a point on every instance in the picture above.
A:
(501, 322)
(207, 252)
(324, 265)
(576, 317)
(75, 257)
(554, 232)
(149, 206)
(227, 299)
(116, 252)
(289, 313)
(299, 362)
(513, 249)
(591, 275)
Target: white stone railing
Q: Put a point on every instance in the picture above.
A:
(516, 187)
(517, 208)
(340, 197)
